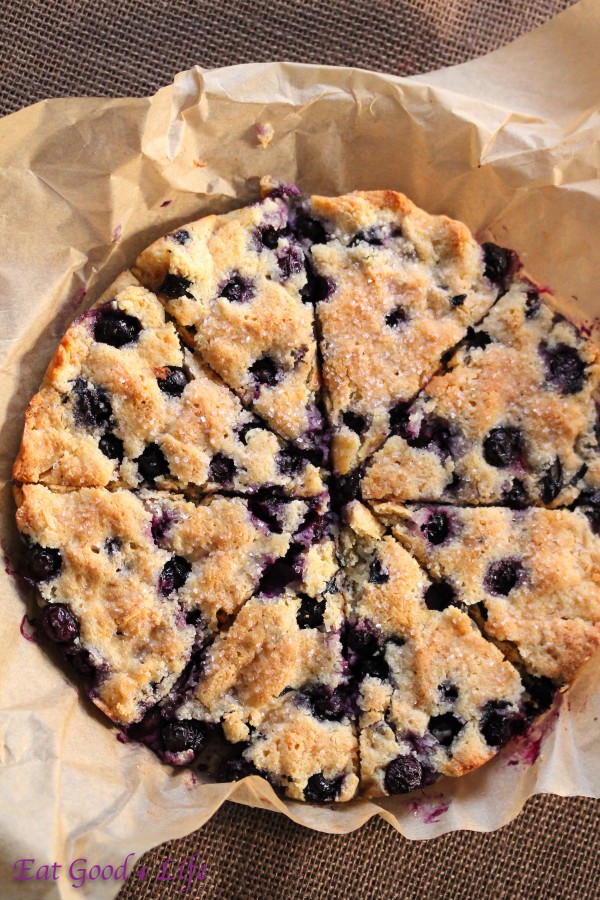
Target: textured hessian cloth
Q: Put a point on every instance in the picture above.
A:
(60, 48)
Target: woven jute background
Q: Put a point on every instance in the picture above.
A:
(55, 48)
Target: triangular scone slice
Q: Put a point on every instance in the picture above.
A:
(122, 404)
(401, 287)
(233, 284)
(275, 681)
(132, 584)
(93, 559)
(514, 419)
(530, 576)
(436, 697)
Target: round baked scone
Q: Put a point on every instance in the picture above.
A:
(187, 491)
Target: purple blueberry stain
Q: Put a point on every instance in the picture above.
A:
(290, 260)
(532, 304)
(291, 461)
(162, 522)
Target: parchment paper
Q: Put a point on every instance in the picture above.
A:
(508, 143)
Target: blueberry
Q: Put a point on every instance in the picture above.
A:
(310, 229)
(320, 789)
(235, 769)
(373, 236)
(403, 774)
(541, 691)
(445, 728)
(177, 737)
(112, 545)
(502, 447)
(242, 432)
(396, 318)
(291, 461)
(174, 575)
(377, 573)
(399, 421)
(477, 340)
(82, 662)
(221, 469)
(345, 487)
(330, 705)
(180, 237)
(516, 496)
(532, 304)
(265, 371)
(448, 692)
(290, 260)
(44, 563)
(161, 523)
(237, 289)
(500, 722)
(152, 463)
(91, 406)
(437, 527)
(355, 422)
(311, 612)
(374, 666)
(266, 511)
(502, 576)
(458, 299)
(593, 517)
(172, 380)
(434, 434)
(59, 623)
(363, 637)
(111, 446)
(175, 286)
(116, 328)
(565, 368)
(552, 482)
(317, 288)
(498, 262)
(278, 575)
(284, 191)
(269, 236)
(439, 596)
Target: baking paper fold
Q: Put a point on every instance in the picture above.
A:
(508, 143)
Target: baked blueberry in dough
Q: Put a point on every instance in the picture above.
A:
(193, 473)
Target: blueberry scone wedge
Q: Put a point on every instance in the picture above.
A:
(132, 586)
(399, 287)
(530, 578)
(233, 284)
(435, 697)
(513, 420)
(274, 686)
(123, 404)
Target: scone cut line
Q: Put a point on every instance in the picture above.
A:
(313, 493)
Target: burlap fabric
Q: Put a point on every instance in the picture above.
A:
(50, 48)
